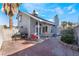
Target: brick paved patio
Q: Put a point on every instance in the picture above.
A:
(50, 47)
(11, 47)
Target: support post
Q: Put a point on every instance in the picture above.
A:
(38, 30)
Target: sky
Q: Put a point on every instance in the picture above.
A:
(65, 11)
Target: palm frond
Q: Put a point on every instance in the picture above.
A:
(10, 8)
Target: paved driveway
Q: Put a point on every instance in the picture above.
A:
(49, 47)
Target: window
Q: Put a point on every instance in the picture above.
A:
(45, 29)
(36, 23)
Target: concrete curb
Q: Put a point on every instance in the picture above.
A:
(74, 47)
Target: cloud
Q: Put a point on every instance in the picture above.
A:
(70, 7)
(32, 6)
(51, 20)
(37, 12)
(58, 10)
(72, 11)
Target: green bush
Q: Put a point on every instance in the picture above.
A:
(68, 36)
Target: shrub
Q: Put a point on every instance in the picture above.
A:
(68, 36)
(5, 26)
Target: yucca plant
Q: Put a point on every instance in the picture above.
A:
(10, 9)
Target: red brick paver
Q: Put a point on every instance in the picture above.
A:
(40, 49)
(11, 47)
(50, 47)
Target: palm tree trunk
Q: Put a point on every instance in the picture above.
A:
(10, 23)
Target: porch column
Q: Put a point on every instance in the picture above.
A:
(38, 30)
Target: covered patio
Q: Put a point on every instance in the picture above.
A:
(40, 28)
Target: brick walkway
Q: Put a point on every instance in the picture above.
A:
(11, 47)
(49, 47)
(40, 49)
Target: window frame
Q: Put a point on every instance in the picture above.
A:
(45, 29)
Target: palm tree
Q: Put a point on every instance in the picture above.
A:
(10, 9)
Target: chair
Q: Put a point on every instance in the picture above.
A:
(16, 36)
(24, 35)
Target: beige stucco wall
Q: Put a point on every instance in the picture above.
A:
(32, 27)
(25, 22)
(29, 23)
(49, 28)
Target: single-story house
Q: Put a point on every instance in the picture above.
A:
(33, 24)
